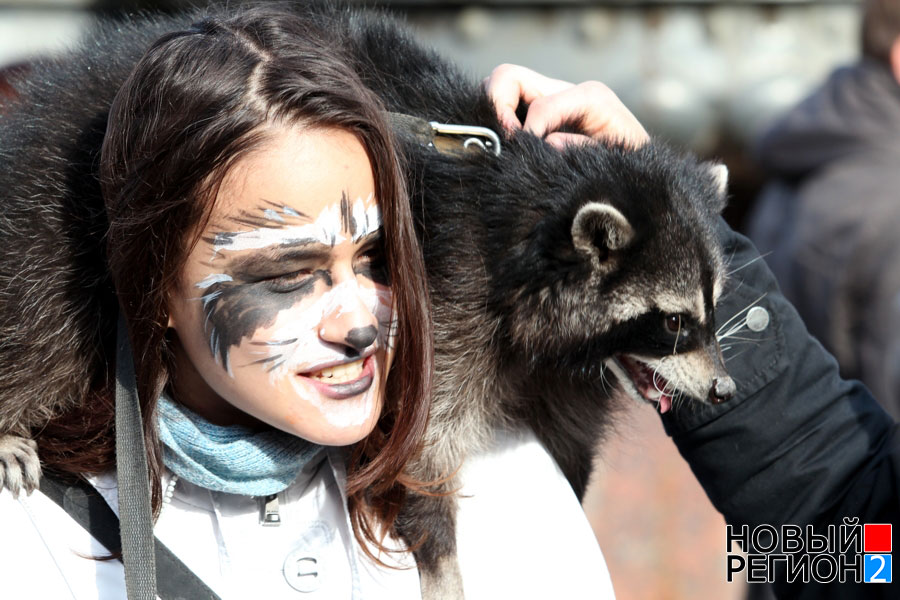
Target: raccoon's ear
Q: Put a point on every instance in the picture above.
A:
(599, 228)
(719, 174)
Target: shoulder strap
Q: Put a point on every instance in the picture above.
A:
(84, 504)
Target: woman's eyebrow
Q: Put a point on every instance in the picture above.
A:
(275, 258)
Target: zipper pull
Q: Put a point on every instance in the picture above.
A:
(268, 511)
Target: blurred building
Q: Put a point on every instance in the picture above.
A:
(694, 72)
(702, 74)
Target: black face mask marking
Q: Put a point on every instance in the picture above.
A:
(236, 310)
(373, 263)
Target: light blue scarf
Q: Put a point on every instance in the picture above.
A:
(234, 459)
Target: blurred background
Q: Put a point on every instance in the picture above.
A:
(708, 75)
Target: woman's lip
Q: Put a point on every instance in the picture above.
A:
(335, 363)
(349, 389)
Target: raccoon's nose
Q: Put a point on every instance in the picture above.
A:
(722, 389)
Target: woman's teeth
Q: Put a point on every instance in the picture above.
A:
(340, 373)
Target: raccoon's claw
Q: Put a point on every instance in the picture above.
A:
(20, 468)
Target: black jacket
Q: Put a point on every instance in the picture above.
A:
(828, 222)
(798, 445)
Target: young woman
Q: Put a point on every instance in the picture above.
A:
(262, 253)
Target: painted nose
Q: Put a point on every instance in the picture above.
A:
(350, 324)
(723, 388)
(360, 338)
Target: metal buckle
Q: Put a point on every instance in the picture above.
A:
(482, 137)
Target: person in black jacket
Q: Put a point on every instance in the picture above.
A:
(828, 220)
(798, 445)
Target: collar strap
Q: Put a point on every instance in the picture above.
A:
(447, 138)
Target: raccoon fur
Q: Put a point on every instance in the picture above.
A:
(559, 279)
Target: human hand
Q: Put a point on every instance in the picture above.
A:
(553, 102)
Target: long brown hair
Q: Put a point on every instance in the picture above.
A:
(196, 102)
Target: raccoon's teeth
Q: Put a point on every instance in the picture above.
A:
(339, 374)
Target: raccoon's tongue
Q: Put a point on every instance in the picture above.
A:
(647, 382)
(665, 403)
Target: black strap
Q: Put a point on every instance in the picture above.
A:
(135, 518)
(174, 581)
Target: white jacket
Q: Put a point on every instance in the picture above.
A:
(521, 534)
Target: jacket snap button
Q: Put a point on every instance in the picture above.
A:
(302, 571)
(757, 318)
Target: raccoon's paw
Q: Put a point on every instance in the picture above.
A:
(20, 468)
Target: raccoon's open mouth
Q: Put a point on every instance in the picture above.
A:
(648, 383)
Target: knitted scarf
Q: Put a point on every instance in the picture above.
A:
(233, 459)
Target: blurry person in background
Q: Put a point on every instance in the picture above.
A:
(828, 221)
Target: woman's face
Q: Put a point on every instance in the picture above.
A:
(283, 312)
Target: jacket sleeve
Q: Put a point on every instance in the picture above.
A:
(797, 445)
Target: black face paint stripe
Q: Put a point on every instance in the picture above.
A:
(265, 360)
(238, 310)
(346, 214)
(375, 267)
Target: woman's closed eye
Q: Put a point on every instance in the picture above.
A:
(289, 282)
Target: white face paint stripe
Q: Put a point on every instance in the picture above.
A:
(327, 229)
(368, 220)
(303, 326)
(273, 215)
(213, 278)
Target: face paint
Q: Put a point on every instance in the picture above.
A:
(290, 319)
(236, 307)
(337, 223)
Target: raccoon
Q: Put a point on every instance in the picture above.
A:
(560, 280)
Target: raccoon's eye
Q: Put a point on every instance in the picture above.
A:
(672, 323)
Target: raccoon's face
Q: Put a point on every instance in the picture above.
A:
(634, 285)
